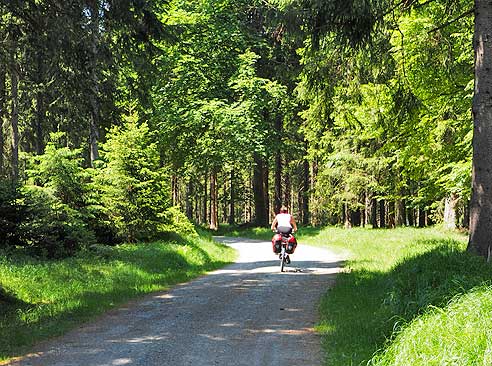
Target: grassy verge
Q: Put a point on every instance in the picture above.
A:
(408, 297)
(46, 298)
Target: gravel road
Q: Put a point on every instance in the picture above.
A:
(245, 314)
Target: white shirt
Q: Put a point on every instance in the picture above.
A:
(283, 219)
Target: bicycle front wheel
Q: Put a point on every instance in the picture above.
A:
(282, 260)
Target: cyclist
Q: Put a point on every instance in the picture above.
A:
(284, 223)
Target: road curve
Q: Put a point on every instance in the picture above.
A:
(245, 314)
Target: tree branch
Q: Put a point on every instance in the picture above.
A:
(465, 14)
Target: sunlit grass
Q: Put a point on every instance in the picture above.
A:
(459, 334)
(49, 297)
(393, 280)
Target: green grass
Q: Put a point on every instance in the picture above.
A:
(46, 298)
(407, 297)
(458, 334)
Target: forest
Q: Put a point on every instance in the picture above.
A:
(124, 119)
(133, 132)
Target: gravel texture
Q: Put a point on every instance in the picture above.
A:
(245, 314)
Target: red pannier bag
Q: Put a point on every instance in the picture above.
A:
(291, 245)
(277, 243)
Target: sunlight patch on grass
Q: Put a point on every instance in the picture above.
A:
(393, 299)
(459, 334)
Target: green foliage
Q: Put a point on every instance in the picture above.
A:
(50, 227)
(132, 184)
(178, 223)
(391, 119)
(10, 213)
(60, 169)
(54, 202)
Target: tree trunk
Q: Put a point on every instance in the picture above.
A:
(225, 203)
(300, 214)
(40, 109)
(266, 192)
(287, 200)
(410, 219)
(347, 216)
(94, 80)
(205, 199)
(428, 218)
(214, 225)
(14, 117)
(315, 219)
(196, 213)
(421, 217)
(188, 201)
(466, 215)
(374, 213)
(400, 213)
(261, 216)
(481, 198)
(174, 189)
(391, 214)
(450, 208)
(382, 214)
(249, 208)
(3, 105)
(277, 199)
(366, 210)
(232, 208)
(94, 131)
(305, 193)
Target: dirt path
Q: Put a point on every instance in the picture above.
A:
(246, 314)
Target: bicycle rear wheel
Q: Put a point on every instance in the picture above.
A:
(282, 259)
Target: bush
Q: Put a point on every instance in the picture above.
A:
(10, 214)
(61, 169)
(55, 202)
(49, 227)
(178, 223)
(133, 187)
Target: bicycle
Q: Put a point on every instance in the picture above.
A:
(284, 244)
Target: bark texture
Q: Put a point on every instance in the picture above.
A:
(305, 193)
(450, 207)
(278, 182)
(188, 206)
(14, 117)
(481, 202)
(232, 198)
(374, 213)
(40, 108)
(214, 216)
(94, 95)
(3, 104)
